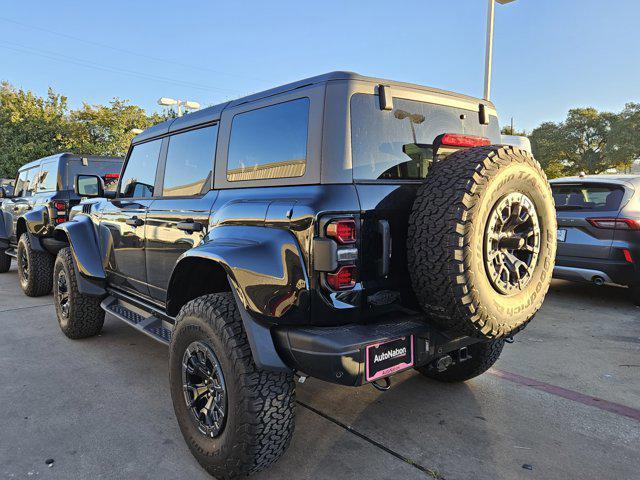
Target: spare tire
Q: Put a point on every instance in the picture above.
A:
(482, 241)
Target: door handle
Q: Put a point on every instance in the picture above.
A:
(134, 222)
(190, 226)
(385, 233)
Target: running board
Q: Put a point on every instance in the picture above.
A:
(138, 318)
(12, 252)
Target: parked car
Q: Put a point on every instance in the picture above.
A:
(7, 184)
(599, 230)
(340, 227)
(44, 193)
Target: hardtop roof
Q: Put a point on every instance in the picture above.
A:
(212, 114)
(68, 155)
(611, 178)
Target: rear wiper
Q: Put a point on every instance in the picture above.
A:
(570, 207)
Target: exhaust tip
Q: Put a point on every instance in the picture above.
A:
(599, 281)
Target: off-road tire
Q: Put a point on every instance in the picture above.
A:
(446, 235)
(85, 317)
(261, 404)
(39, 269)
(483, 356)
(5, 262)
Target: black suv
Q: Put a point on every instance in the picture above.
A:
(44, 193)
(341, 227)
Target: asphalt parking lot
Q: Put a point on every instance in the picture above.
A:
(563, 401)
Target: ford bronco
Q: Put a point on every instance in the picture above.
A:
(340, 227)
(39, 200)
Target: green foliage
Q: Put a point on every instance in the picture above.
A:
(588, 141)
(32, 127)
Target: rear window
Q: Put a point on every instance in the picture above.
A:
(597, 198)
(109, 170)
(396, 144)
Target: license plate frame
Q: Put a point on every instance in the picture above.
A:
(562, 234)
(389, 357)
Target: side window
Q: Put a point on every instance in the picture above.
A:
(25, 185)
(269, 142)
(20, 183)
(189, 163)
(48, 177)
(140, 173)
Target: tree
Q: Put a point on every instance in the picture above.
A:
(31, 127)
(624, 144)
(107, 130)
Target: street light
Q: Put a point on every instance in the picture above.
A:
(187, 104)
(489, 52)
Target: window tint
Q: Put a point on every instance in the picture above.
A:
(48, 177)
(587, 197)
(270, 142)
(396, 144)
(140, 173)
(190, 162)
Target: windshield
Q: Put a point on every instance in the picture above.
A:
(597, 198)
(396, 144)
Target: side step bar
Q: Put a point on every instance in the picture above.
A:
(12, 252)
(138, 318)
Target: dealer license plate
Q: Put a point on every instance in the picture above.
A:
(386, 358)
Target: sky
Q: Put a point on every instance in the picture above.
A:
(549, 55)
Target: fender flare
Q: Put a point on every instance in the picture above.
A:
(264, 265)
(36, 224)
(266, 271)
(87, 261)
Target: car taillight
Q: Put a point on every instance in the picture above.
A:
(60, 219)
(627, 255)
(459, 140)
(612, 223)
(343, 278)
(60, 206)
(343, 231)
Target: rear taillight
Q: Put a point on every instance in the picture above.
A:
(613, 223)
(342, 231)
(459, 140)
(59, 211)
(627, 255)
(342, 279)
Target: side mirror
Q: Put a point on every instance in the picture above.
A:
(89, 186)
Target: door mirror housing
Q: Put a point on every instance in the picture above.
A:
(6, 192)
(89, 186)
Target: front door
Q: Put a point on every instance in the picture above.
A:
(179, 219)
(123, 222)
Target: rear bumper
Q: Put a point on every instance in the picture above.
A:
(337, 354)
(578, 269)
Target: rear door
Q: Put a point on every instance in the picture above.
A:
(391, 154)
(179, 218)
(125, 216)
(578, 205)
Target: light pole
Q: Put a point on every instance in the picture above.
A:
(489, 48)
(187, 104)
